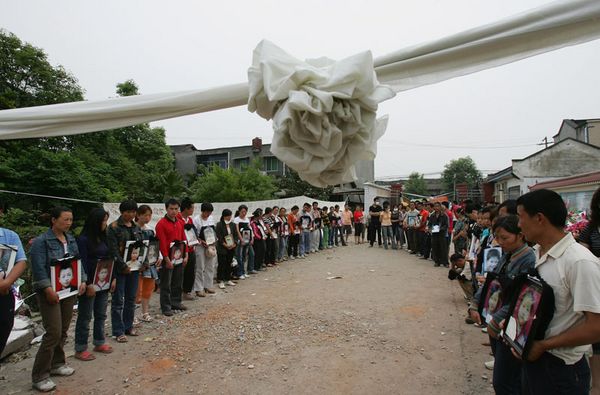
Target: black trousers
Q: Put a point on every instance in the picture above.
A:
(7, 318)
(550, 375)
(259, 253)
(171, 284)
(439, 249)
(293, 245)
(189, 273)
(374, 230)
(270, 251)
(224, 265)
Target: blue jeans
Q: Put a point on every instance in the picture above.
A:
(388, 236)
(282, 247)
(123, 303)
(550, 375)
(96, 305)
(305, 243)
(242, 253)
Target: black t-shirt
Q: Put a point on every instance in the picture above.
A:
(375, 209)
(591, 236)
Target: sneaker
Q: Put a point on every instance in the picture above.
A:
(46, 385)
(242, 277)
(221, 285)
(62, 371)
(484, 330)
(292, 257)
(469, 321)
(231, 283)
(253, 272)
(188, 296)
(209, 290)
(489, 365)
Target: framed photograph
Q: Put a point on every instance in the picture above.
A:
(246, 234)
(153, 254)
(305, 222)
(103, 274)
(65, 276)
(209, 235)
(491, 259)
(229, 241)
(135, 254)
(474, 246)
(8, 255)
(521, 324)
(177, 251)
(492, 298)
(190, 235)
(286, 229)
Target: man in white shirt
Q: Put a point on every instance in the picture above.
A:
(557, 363)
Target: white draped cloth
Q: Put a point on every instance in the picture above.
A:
(324, 111)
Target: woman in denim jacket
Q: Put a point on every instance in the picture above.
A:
(56, 314)
(93, 248)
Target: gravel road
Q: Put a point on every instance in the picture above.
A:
(393, 324)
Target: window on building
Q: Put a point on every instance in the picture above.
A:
(209, 160)
(270, 163)
(241, 163)
(514, 192)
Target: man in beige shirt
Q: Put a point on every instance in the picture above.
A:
(557, 363)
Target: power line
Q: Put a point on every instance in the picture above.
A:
(50, 197)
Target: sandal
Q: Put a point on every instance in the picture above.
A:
(132, 332)
(122, 339)
(146, 317)
(85, 356)
(104, 349)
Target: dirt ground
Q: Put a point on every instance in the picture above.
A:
(394, 324)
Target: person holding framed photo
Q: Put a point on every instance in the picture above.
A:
(557, 362)
(186, 211)
(169, 230)
(206, 251)
(93, 248)
(149, 274)
(12, 265)
(56, 313)
(245, 249)
(120, 232)
(226, 245)
(518, 259)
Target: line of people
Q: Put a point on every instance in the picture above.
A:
(215, 252)
(531, 235)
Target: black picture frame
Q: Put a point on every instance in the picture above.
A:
(523, 323)
(492, 297)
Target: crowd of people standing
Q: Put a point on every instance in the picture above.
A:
(198, 253)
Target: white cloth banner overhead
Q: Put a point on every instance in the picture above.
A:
(159, 211)
(553, 26)
(556, 25)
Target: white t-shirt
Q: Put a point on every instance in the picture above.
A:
(199, 223)
(573, 272)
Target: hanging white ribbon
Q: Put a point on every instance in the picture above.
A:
(323, 111)
(543, 29)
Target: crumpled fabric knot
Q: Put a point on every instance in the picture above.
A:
(323, 111)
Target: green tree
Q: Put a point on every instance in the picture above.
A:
(416, 184)
(293, 185)
(232, 185)
(103, 166)
(461, 170)
(28, 79)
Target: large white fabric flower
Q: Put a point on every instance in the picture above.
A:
(323, 111)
